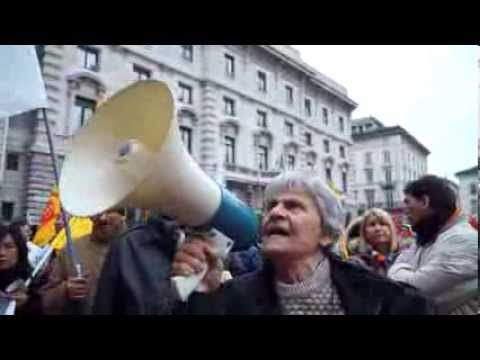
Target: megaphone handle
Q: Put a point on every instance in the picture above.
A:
(185, 285)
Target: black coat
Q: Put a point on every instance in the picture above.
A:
(361, 292)
(135, 278)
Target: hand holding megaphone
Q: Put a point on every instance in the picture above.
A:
(198, 263)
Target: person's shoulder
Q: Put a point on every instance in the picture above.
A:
(246, 281)
(460, 235)
(143, 238)
(396, 297)
(461, 228)
(371, 281)
(140, 232)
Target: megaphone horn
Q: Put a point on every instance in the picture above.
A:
(130, 154)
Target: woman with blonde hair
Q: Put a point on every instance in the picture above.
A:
(377, 246)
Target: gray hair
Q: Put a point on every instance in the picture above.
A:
(328, 206)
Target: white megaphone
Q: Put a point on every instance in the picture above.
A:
(130, 154)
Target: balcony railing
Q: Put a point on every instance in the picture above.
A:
(252, 172)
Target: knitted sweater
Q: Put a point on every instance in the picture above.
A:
(315, 295)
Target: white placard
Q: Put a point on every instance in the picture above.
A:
(21, 83)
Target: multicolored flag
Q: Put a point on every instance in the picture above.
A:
(79, 227)
(46, 230)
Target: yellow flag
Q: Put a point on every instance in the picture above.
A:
(79, 227)
(337, 192)
(46, 230)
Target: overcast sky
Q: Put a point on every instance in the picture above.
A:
(431, 91)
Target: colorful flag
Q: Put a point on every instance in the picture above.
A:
(337, 192)
(21, 84)
(79, 227)
(46, 230)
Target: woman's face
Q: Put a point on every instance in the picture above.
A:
(291, 226)
(377, 231)
(8, 253)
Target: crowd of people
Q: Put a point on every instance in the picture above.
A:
(306, 261)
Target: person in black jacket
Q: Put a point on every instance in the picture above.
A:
(135, 279)
(300, 275)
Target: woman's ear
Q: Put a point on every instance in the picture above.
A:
(325, 240)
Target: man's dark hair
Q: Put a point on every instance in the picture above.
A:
(443, 202)
(439, 191)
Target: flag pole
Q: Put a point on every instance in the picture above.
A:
(70, 248)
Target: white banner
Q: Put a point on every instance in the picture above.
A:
(21, 83)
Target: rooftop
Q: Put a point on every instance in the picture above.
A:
(293, 55)
(368, 119)
(388, 131)
(469, 171)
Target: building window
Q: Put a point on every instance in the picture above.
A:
(229, 150)
(186, 134)
(82, 111)
(186, 94)
(326, 146)
(368, 158)
(325, 115)
(142, 73)
(386, 157)
(187, 52)
(230, 66)
(89, 57)
(473, 189)
(229, 106)
(12, 162)
(344, 182)
(310, 165)
(308, 138)
(261, 81)
(328, 174)
(288, 128)
(7, 210)
(369, 175)
(342, 151)
(341, 124)
(388, 175)
(290, 162)
(289, 94)
(262, 157)
(308, 107)
(261, 119)
(370, 195)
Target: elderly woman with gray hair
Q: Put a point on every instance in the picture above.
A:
(300, 275)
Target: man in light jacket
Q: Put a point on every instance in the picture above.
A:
(443, 262)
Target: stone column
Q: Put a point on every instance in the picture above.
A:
(210, 160)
